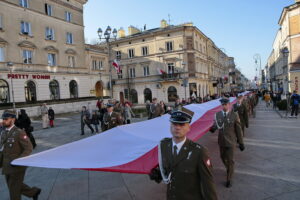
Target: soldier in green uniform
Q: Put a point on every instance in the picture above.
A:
(111, 119)
(241, 108)
(184, 165)
(15, 144)
(230, 132)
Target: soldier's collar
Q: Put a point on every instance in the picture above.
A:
(8, 129)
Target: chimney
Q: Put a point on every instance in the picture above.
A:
(133, 30)
(163, 24)
(121, 33)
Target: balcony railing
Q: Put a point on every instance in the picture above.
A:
(171, 76)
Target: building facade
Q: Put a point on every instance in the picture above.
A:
(44, 42)
(284, 61)
(168, 62)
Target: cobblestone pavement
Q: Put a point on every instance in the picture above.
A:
(269, 168)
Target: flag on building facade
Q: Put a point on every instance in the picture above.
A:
(117, 66)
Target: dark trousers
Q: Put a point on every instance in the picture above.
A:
(128, 121)
(17, 187)
(227, 154)
(295, 109)
(82, 127)
(96, 127)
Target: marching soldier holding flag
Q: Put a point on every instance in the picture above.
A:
(241, 108)
(184, 165)
(230, 131)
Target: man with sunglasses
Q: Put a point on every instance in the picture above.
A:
(184, 165)
(14, 143)
(230, 132)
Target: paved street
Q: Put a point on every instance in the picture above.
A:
(269, 168)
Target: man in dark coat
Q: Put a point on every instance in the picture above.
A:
(184, 165)
(51, 116)
(14, 144)
(241, 108)
(85, 120)
(230, 132)
(23, 122)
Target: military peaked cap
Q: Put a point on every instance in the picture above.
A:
(182, 116)
(224, 101)
(8, 114)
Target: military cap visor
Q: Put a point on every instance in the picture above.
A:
(224, 101)
(109, 105)
(7, 115)
(181, 117)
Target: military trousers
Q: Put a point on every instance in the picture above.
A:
(227, 154)
(17, 188)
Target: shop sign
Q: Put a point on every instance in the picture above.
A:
(27, 76)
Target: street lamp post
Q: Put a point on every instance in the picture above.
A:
(10, 65)
(185, 80)
(285, 52)
(107, 37)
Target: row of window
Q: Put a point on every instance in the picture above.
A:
(30, 91)
(144, 51)
(27, 58)
(49, 32)
(48, 9)
(146, 71)
(132, 94)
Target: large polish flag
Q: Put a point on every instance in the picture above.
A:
(130, 148)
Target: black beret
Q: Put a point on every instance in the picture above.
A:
(8, 114)
(181, 116)
(224, 101)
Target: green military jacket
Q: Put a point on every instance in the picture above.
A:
(242, 110)
(230, 130)
(16, 144)
(191, 172)
(111, 121)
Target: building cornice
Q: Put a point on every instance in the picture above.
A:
(286, 10)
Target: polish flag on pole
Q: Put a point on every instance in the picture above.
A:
(117, 66)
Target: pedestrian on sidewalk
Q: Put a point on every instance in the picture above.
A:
(44, 113)
(128, 113)
(51, 116)
(95, 121)
(15, 144)
(85, 120)
(23, 122)
(184, 166)
(267, 99)
(295, 98)
(230, 132)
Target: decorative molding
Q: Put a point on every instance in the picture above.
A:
(2, 41)
(70, 51)
(51, 48)
(27, 44)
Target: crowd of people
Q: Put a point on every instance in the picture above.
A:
(292, 101)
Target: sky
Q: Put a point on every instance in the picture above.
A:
(243, 28)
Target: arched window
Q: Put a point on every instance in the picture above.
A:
(73, 89)
(30, 91)
(4, 91)
(134, 96)
(147, 94)
(54, 90)
(172, 94)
